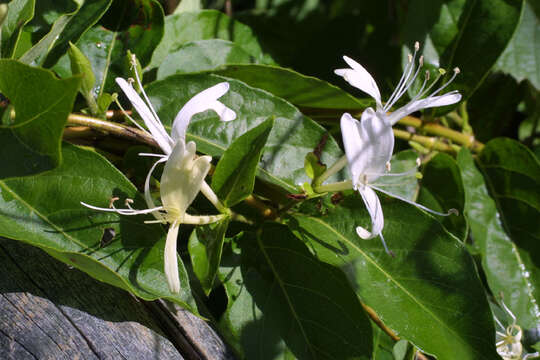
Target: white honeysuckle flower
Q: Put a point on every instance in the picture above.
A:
(368, 147)
(360, 78)
(369, 143)
(508, 339)
(184, 171)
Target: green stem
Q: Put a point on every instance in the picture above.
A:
(338, 186)
(426, 141)
(338, 165)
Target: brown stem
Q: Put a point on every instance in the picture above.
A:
(119, 130)
(375, 318)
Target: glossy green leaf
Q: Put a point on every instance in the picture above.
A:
(19, 13)
(513, 174)
(68, 27)
(203, 55)
(301, 90)
(203, 25)
(382, 345)
(80, 65)
(469, 34)
(443, 169)
(521, 59)
(429, 293)
(509, 268)
(41, 104)
(45, 211)
(284, 303)
(405, 186)
(205, 247)
(292, 137)
(234, 177)
(106, 49)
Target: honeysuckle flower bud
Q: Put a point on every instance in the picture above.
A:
(508, 339)
(360, 78)
(184, 171)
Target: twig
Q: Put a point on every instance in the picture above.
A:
(112, 128)
(466, 140)
(426, 141)
(371, 313)
(266, 211)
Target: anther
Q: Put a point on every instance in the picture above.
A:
(421, 60)
(410, 57)
(130, 81)
(427, 75)
(418, 162)
(442, 71)
(453, 211)
(111, 202)
(416, 46)
(388, 166)
(456, 70)
(364, 179)
(128, 202)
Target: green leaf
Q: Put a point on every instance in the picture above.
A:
(203, 55)
(492, 108)
(429, 293)
(205, 247)
(294, 87)
(471, 35)
(292, 137)
(81, 65)
(31, 140)
(443, 169)
(45, 211)
(521, 59)
(405, 186)
(382, 345)
(107, 49)
(234, 177)
(284, 303)
(508, 267)
(19, 13)
(68, 27)
(312, 166)
(203, 25)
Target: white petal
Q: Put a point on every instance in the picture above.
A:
(352, 142)
(147, 195)
(171, 260)
(429, 102)
(373, 206)
(154, 125)
(360, 78)
(182, 178)
(205, 100)
(368, 145)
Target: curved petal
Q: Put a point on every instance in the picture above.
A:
(205, 100)
(429, 102)
(154, 125)
(171, 260)
(373, 206)
(182, 178)
(147, 195)
(360, 78)
(368, 145)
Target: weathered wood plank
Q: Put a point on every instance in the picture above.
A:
(49, 311)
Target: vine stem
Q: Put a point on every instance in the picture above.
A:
(466, 140)
(116, 129)
(426, 141)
